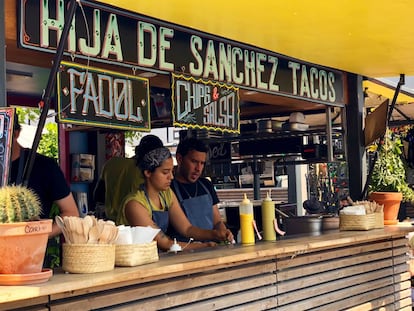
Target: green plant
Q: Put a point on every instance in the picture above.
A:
(389, 173)
(48, 144)
(132, 136)
(18, 203)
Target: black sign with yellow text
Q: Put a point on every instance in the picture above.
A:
(204, 104)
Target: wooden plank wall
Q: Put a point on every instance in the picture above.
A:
(359, 277)
(367, 276)
(214, 290)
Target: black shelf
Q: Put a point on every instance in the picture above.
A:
(248, 136)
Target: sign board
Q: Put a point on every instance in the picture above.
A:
(90, 96)
(110, 35)
(6, 139)
(376, 123)
(219, 152)
(204, 104)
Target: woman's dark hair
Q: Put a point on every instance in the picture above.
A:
(147, 143)
(153, 159)
(189, 144)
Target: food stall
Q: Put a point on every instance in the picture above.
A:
(268, 84)
(257, 84)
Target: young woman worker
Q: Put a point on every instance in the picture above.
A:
(156, 205)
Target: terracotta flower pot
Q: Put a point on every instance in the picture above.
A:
(391, 201)
(23, 246)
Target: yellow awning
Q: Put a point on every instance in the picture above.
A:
(374, 38)
(385, 90)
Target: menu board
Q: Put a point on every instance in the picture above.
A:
(102, 98)
(205, 104)
(6, 138)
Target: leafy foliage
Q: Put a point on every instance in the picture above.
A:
(132, 136)
(389, 173)
(48, 144)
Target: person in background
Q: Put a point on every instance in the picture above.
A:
(119, 177)
(46, 179)
(196, 194)
(156, 205)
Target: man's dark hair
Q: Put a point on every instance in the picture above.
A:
(190, 143)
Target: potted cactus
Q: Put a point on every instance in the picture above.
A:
(23, 236)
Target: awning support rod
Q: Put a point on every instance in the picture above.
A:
(371, 168)
(402, 113)
(48, 92)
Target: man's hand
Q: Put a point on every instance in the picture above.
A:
(222, 233)
(229, 237)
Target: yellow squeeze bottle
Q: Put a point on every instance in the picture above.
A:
(246, 221)
(268, 218)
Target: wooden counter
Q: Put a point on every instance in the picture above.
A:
(338, 270)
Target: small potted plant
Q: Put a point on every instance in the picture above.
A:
(23, 236)
(388, 180)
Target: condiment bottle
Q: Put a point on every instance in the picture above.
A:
(246, 221)
(268, 219)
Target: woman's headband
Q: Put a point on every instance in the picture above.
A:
(154, 158)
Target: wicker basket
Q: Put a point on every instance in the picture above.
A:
(360, 222)
(379, 220)
(128, 255)
(88, 258)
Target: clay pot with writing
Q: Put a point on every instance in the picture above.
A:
(22, 250)
(391, 202)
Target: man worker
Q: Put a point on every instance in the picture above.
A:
(46, 180)
(196, 194)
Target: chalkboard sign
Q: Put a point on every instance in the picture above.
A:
(6, 138)
(102, 98)
(219, 152)
(205, 104)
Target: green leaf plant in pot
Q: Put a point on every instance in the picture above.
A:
(388, 184)
(23, 236)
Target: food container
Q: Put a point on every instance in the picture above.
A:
(269, 125)
(361, 222)
(306, 225)
(246, 221)
(297, 117)
(268, 219)
(330, 222)
(129, 255)
(88, 258)
(298, 126)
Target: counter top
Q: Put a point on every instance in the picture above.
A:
(171, 264)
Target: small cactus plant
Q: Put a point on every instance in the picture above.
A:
(18, 203)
